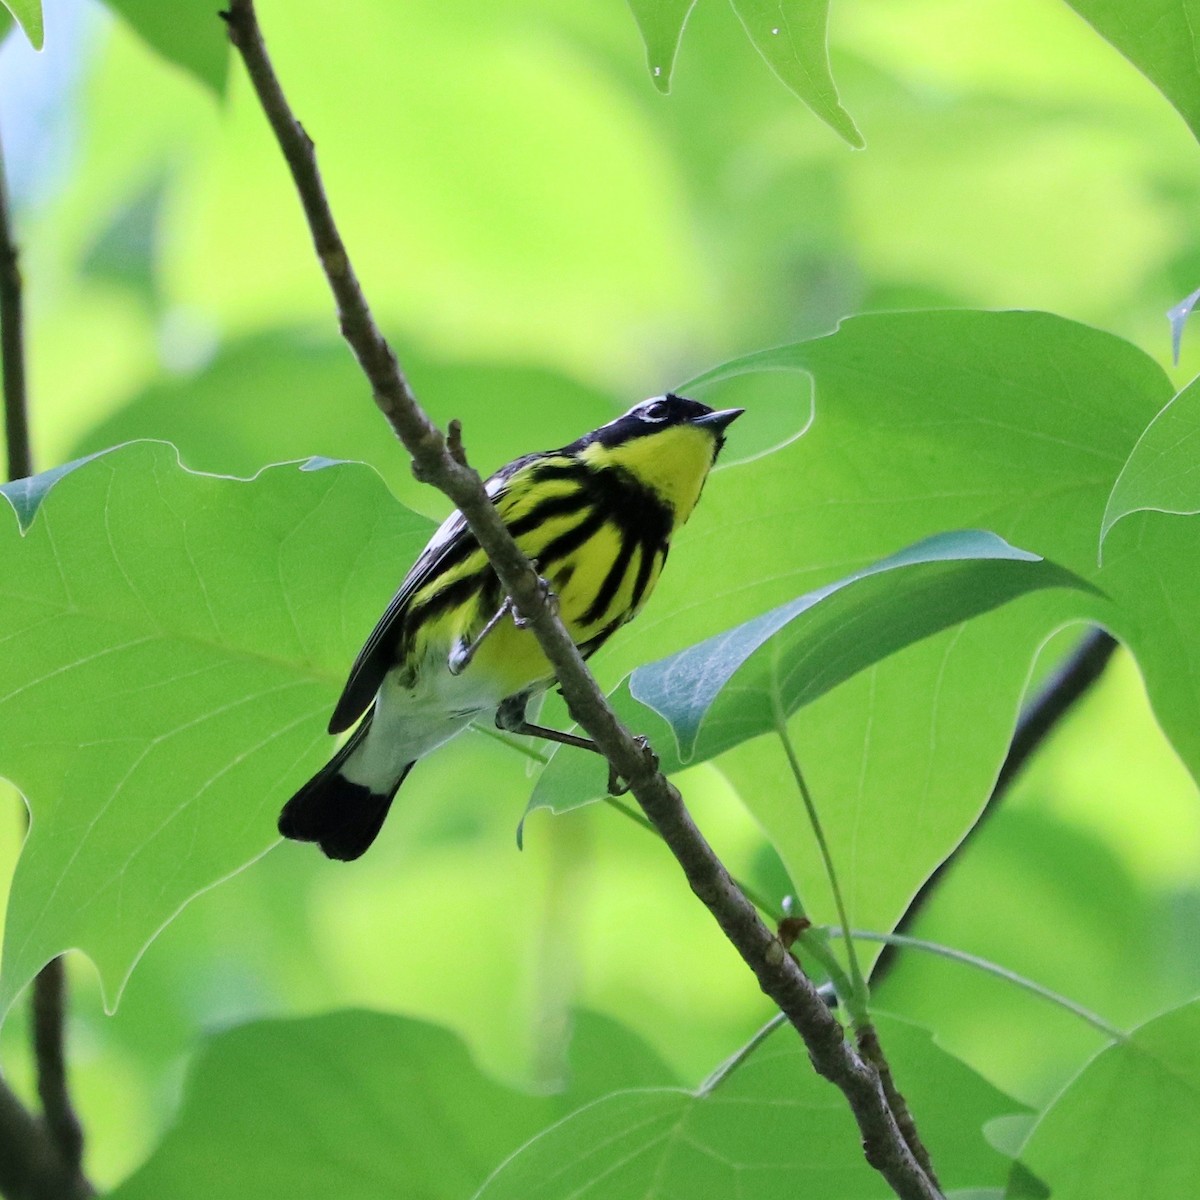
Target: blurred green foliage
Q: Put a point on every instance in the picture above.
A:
(548, 238)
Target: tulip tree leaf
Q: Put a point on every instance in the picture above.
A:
(729, 688)
(173, 643)
(770, 1127)
(189, 33)
(1125, 1126)
(1014, 422)
(731, 684)
(299, 1108)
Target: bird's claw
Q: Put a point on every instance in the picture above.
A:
(549, 599)
(616, 785)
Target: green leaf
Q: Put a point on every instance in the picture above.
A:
(1126, 1125)
(26, 495)
(787, 658)
(188, 33)
(769, 1128)
(1160, 39)
(268, 397)
(1162, 473)
(29, 16)
(661, 23)
(729, 689)
(792, 35)
(1014, 422)
(173, 643)
(363, 1106)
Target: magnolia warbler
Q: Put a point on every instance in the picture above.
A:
(596, 518)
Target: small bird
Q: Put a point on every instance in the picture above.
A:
(596, 519)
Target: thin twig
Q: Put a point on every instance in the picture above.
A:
(857, 1000)
(778, 974)
(42, 1157)
(731, 1064)
(12, 343)
(1040, 718)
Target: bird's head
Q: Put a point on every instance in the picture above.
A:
(666, 444)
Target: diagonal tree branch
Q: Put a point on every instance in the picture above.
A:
(445, 467)
(38, 1158)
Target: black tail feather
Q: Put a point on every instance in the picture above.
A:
(343, 818)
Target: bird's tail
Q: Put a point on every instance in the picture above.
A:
(343, 818)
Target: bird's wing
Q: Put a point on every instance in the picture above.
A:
(377, 656)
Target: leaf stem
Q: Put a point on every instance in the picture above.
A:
(732, 1063)
(982, 964)
(857, 1001)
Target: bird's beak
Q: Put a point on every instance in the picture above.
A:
(719, 420)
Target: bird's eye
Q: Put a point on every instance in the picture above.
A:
(658, 411)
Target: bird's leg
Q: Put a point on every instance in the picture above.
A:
(464, 652)
(510, 717)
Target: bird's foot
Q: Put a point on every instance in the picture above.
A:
(618, 786)
(549, 599)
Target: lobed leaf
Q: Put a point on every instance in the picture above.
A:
(363, 1106)
(1014, 422)
(1125, 1126)
(770, 1128)
(739, 684)
(173, 642)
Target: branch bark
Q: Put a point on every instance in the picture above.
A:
(42, 1156)
(433, 462)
